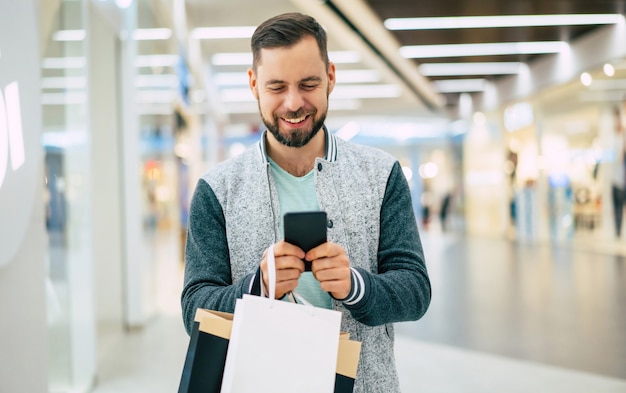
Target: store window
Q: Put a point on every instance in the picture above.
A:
(65, 140)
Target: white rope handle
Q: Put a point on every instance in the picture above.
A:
(271, 272)
(271, 275)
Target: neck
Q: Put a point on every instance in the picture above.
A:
(297, 161)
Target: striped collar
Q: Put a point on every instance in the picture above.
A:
(331, 147)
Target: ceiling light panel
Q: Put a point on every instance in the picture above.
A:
(58, 63)
(220, 33)
(152, 34)
(156, 61)
(485, 49)
(69, 35)
(470, 22)
(486, 68)
(460, 85)
(64, 82)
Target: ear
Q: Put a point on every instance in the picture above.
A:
(331, 77)
(252, 81)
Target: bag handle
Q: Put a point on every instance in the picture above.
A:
(271, 272)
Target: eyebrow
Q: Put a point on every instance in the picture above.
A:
(308, 79)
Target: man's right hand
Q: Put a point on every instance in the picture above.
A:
(289, 266)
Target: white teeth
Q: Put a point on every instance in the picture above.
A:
(295, 121)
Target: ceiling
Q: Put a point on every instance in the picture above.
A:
(357, 26)
(386, 9)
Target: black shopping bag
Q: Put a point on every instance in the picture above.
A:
(206, 355)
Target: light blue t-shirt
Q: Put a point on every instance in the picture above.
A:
(298, 194)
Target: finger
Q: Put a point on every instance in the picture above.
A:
(325, 271)
(285, 287)
(282, 248)
(289, 262)
(287, 275)
(324, 250)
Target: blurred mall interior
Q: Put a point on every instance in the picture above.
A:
(110, 110)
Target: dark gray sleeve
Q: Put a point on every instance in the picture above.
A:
(208, 281)
(400, 290)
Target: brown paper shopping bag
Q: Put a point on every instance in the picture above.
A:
(347, 364)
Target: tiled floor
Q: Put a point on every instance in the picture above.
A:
(505, 317)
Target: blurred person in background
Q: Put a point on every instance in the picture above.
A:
(372, 266)
(618, 173)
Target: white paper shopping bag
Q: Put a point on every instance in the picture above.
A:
(281, 347)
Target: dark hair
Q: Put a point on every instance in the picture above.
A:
(284, 31)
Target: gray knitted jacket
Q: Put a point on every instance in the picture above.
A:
(235, 216)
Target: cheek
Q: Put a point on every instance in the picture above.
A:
(268, 103)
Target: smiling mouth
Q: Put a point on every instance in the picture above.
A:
(296, 120)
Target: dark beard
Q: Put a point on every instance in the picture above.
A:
(297, 138)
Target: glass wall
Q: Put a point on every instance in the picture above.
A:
(66, 142)
(565, 160)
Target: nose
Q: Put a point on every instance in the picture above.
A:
(294, 100)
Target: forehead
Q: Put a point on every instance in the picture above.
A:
(301, 59)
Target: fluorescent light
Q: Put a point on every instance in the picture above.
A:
(64, 82)
(485, 49)
(63, 62)
(152, 34)
(245, 58)
(470, 22)
(63, 139)
(69, 35)
(156, 61)
(357, 76)
(123, 3)
(71, 98)
(448, 69)
(460, 85)
(215, 33)
(240, 107)
(236, 95)
(344, 57)
(231, 79)
(366, 91)
(235, 58)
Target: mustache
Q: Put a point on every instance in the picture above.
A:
(299, 113)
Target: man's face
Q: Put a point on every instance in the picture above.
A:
(292, 86)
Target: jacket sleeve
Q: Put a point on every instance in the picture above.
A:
(400, 290)
(208, 281)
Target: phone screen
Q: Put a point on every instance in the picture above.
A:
(306, 230)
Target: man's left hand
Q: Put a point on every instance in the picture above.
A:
(331, 267)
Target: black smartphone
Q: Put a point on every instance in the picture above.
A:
(306, 230)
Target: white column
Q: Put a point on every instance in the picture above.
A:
(136, 272)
